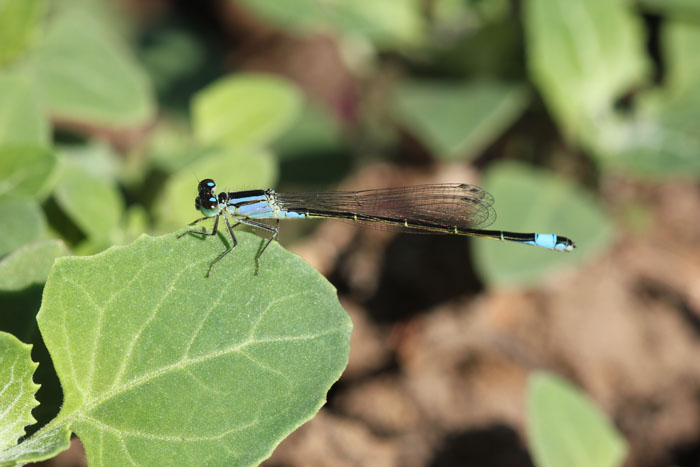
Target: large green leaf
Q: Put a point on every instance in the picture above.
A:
(17, 390)
(30, 264)
(567, 429)
(248, 110)
(458, 120)
(161, 365)
(21, 117)
(19, 21)
(583, 55)
(25, 170)
(232, 172)
(528, 200)
(21, 222)
(87, 75)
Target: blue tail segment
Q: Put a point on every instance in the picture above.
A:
(552, 242)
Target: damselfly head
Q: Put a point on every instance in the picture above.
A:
(206, 201)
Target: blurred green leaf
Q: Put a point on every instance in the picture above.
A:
(95, 157)
(93, 203)
(248, 110)
(174, 207)
(21, 117)
(529, 200)
(172, 146)
(456, 121)
(18, 390)
(583, 55)
(25, 170)
(566, 428)
(662, 139)
(165, 366)
(680, 9)
(315, 132)
(21, 222)
(294, 15)
(19, 23)
(88, 76)
(30, 264)
(386, 23)
(680, 45)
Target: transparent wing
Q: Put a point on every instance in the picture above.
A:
(451, 205)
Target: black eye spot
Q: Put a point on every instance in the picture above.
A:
(207, 186)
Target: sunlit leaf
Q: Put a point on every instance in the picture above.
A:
(93, 203)
(566, 428)
(25, 170)
(18, 26)
(30, 264)
(245, 110)
(87, 75)
(583, 55)
(161, 365)
(21, 222)
(21, 118)
(17, 390)
(456, 121)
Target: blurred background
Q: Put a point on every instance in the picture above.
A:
(581, 117)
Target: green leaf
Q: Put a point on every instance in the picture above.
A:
(232, 172)
(87, 76)
(21, 222)
(529, 200)
(661, 141)
(30, 264)
(160, 365)
(17, 391)
(19, 21)
(583, 55)
(316, 132)
(246, 110)
(386, 23)
(456, 121)
(566, 428)
(679, 42)
(25, 170)
(41, 446)
(680, 9)
(21, 118)
(93, 203)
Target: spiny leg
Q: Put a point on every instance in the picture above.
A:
(198, 232)
(269, 228)
(233, 239)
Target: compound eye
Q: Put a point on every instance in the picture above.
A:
(197, 203)
(211, 203)
(207, 186)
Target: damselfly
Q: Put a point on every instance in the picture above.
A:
(457, 209)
